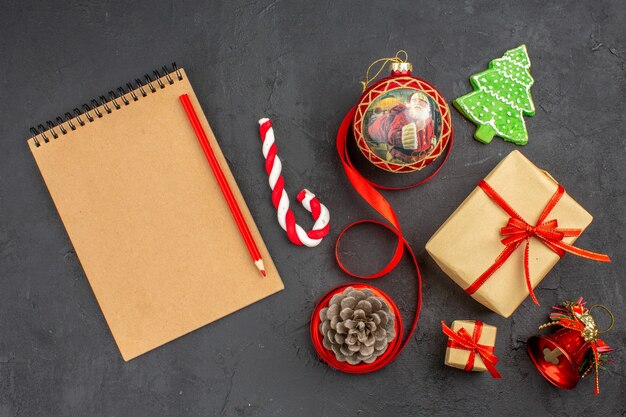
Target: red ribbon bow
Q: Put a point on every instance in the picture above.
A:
(463, 340)
(518, 231)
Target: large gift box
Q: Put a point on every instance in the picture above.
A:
(518, 211)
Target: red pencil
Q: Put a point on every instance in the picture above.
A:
(224, 186)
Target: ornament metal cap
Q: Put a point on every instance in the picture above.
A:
(403, 67)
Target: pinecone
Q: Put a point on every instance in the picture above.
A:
(357, 326)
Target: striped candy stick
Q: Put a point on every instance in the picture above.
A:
(286, 218)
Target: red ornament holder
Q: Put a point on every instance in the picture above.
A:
(329, 357)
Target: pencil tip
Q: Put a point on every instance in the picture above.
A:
(259, 264)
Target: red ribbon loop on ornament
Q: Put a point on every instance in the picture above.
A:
(372, 197)
(518, 231)
(463, 340)
(596, 359)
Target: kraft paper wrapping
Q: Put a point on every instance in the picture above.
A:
(469, 241)
(457, 358)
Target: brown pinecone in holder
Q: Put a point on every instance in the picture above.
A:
(357, 326)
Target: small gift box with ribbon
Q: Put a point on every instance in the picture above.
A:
(471, 346)
(509, 233)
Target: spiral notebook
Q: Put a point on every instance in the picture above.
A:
(145, 214)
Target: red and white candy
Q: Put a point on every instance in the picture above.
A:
(286, 218)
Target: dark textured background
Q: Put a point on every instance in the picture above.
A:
(300, 63)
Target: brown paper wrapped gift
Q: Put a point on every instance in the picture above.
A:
(469, 242)
(458, 357)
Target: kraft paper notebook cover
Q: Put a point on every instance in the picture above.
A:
(145, 214)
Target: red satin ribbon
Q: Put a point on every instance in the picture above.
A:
(596, 359)
(367, 190)
(463, 340)
(518, 231)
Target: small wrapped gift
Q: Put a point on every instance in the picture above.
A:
(471, 346)
(508, 233)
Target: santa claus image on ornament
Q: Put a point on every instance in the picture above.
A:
(403, 125)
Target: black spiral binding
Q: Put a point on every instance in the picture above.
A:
(99, 108)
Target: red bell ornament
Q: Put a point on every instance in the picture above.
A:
(559, 356)
(570, 353)
(402, 123)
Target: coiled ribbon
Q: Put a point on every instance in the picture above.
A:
(367, 190)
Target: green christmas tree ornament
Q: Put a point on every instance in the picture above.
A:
(501, 98)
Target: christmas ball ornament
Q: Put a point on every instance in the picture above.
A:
(402, 123)
(573, 351)
(357, 326)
